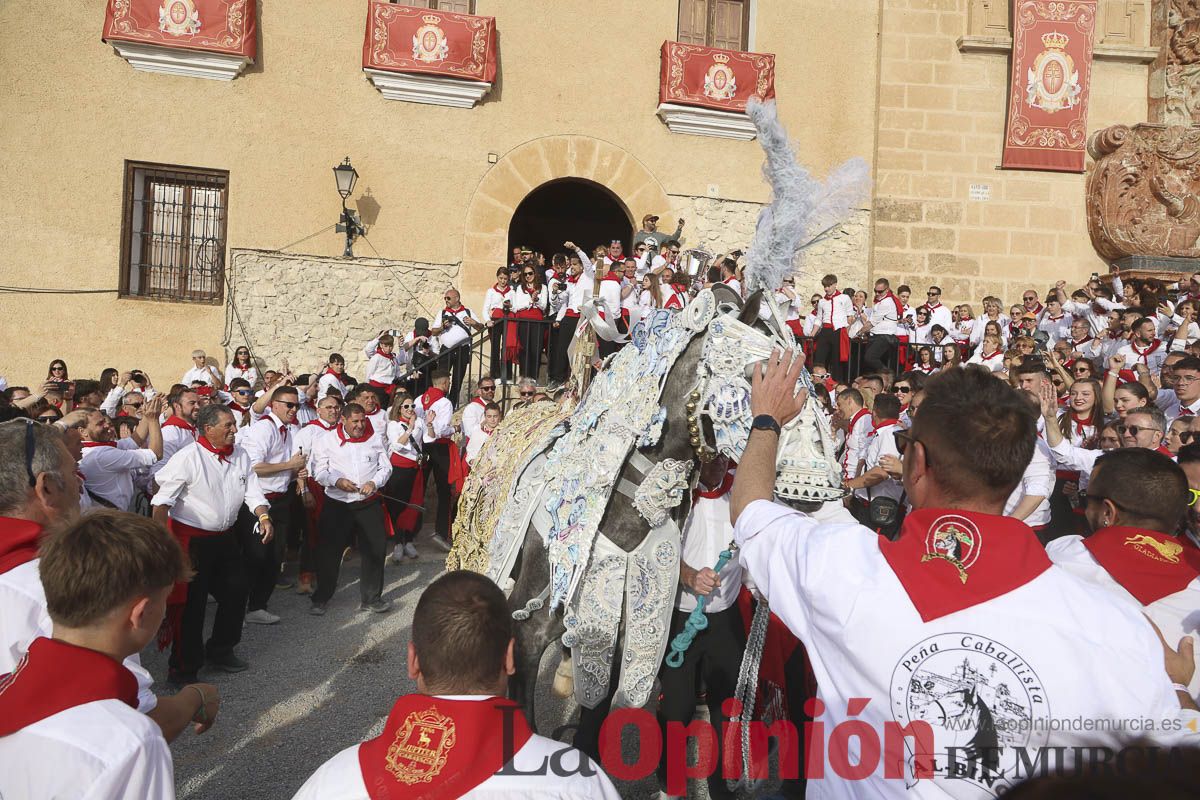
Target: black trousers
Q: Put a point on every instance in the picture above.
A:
(456, 362)
(340, 523)
(880, 353)
(715, 658)
(560, 340)
(439, 465)
(501, 369)
(263, 561)
(400, 485)
(828, 352)
(217, 563)
(532, 339)
(607, 348)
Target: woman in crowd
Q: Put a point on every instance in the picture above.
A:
(241, 367)
(407, 482)
(951, 356)
(925, 360)
(1121, 398)
(532, 333)
(57, 371)
(650, 294)
(990, 352)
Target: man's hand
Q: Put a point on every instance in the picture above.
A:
(893, 465)
(297, 461)
(1116, 363)
(1180, 663)
(70, 420)
(367, 489)
(704, 581)
(570, 245)
(346, 485)
(267, 529)
(206, 714)
(1048, 400)
(154, 406)
(773, 390)
(681, 222)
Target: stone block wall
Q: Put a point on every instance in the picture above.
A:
(719, 225)
(304, 307)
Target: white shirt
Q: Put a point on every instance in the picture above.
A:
(205, 492)
(328, 382)
(472, 416)
(340, 778)
(266, 445)
(859, 428)
(885, 316)
(307, 438)
(249, 374)
(174, 439)
(1152, 355)
(358, 462)
(103, 750)
(733, 283)
(1038, 481)
(834, 589)
(1056, 328)
(835, 311)
(992, 360)
(1176, 615)
(880, 442)
(410, 448)
(475, 443)
(203, 374)
(23, 618)
(441, 428)
(610, 294)
(940, 315)
(494, 300)
(1096, 320)
(108, 470)
(708, 531)
(380, 368)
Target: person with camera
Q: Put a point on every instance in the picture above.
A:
(871, 480)
(384, 365)
(420, 346)
(500, 307)
(454, 334)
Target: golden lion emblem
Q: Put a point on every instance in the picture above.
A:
(1150, 547)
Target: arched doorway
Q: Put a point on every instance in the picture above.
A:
(570, 209)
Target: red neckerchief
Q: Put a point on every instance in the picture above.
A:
(720, 491)
(238, 408)
(388, 356)
(611, 276)
(1079, 424)
(99, 444)
(729, 280)
(431, 747)
(431, 396)
(1077, 344)
(927, 368)
(482, 403)
(449, 310)
(896, 300)
(1149, 565)
(244, 369)
(574, 278)
(931, 307)
(320, 424)
(1141, 354)
(1053, 319)
(179, 422)
(862, 412)
(1164, 451)
(18, 542)
(271, 418)
(1037, 310)
(883, 423)
(944, 564)
(55, 676)
(340, 379)
(991, 355)
(503, 291)
(368, 432)
(222, 453)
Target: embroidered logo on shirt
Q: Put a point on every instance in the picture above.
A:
(1167, 552)
(954, 539)
(421, 747)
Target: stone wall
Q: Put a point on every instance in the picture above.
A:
(718, 226)
(303, 307)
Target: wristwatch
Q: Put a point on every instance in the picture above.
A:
(765, 422)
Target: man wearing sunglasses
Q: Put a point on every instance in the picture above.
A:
(472, 416)
(1135, 503)
(962, 592)
(454, 336)
(270, 442)
(886, 312)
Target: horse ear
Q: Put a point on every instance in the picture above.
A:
(749, 314)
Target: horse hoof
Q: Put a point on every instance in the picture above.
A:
(564, 679)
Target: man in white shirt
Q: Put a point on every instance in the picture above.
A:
(351, 463)
(68, 720)
(578, 289)
(834, 310)
(384, 365)
(31, 500)
(270, 443)
(202, 372)
(884, 327)
(858, 428)
(433, 417)
(472, 415)
(946, 628)
(179, 429)
(1135, 502)
(200, 492)
(1144, 347)
(1184, 400)
(461, 684)
(871, 479)
(938, 313)
(108, 465)
(454, 336)
(334, 377)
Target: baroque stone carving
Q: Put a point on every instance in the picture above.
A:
(1181, 72)
(1143, 197)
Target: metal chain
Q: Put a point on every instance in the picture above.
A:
(747, 686)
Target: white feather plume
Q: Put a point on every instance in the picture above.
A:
(803, 210)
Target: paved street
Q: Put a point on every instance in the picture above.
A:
(315, 686)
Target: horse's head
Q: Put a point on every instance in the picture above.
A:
(739, 336)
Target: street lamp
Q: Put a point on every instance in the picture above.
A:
(347, 176)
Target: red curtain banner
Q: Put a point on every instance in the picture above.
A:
(411, 39)
(1051, 78)
(721, 79)
(216, 26)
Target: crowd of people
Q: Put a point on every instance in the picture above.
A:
(1059, 429)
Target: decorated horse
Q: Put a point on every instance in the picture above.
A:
(582, 527)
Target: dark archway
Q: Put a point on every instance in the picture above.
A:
(571, 209)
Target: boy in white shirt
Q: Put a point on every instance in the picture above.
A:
(477, 439)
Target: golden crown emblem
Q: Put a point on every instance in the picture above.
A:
(430, 19)
(1055, 40)
(720, 58)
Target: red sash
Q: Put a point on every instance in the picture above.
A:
(55, 676)
(512, 342)
(945, 565)
(18, 542)
(844, 345)
(177, 599)
(409, 518)
(797, 327)
(1149, 565)
(387, 387)
(436, 748)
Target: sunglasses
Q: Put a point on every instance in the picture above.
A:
(407, 406)
(528, 394)
(904, 439)
(447, 299)
(933, 294)
(904, 389)
(242, 353)
(1132, 430)
(1080, 370)
(133, 405)
(287, 404)
(1086, 496)
(242, 391)
(58, 369)
(487, 388)
(49, 419)
(1193, 497)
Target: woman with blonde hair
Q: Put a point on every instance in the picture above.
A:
(650, 295)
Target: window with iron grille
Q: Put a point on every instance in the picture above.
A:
(715, 23)
(456, 6)
(173, 232)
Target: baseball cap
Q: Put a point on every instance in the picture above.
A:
(649, 217)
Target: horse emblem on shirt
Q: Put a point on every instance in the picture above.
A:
(953, 539)
(1167, 552)
(429, 42)
(421, 747)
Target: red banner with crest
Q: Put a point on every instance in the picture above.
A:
(411, 39)
(720, 79)
(1051, 80)
(217, 26)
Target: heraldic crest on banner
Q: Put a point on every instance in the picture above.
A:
(421, 747)
(179, 18)
(720, 82)
(1053, 82)
(429, 42)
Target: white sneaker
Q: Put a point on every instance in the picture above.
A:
(410, 551)
(397, 556)
(262, 617)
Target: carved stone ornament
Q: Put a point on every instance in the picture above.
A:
(1143, 196)
(1181, 73)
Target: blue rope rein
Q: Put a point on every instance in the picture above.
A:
(697, 620)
